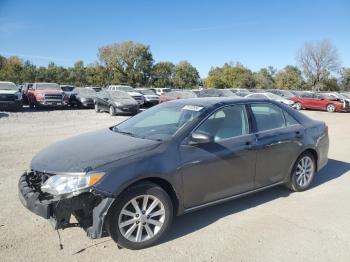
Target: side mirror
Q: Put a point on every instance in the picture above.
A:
(201, 138)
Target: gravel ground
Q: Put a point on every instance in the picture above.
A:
(274, 225)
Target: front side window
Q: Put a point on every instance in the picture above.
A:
(229, 122)
(268, 116)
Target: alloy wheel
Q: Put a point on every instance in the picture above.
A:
(331, 108)
(298, 106)
(305, 171)
(141, 218)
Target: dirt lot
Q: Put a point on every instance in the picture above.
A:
(270, 226)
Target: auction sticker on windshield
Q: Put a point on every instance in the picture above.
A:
(192, 108)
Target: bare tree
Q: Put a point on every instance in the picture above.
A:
(318, 60)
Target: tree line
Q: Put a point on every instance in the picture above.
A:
(133, 64)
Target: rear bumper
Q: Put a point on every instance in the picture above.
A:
(90, 209)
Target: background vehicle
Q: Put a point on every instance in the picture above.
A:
(95, 88)
(24, 92)
(115, 102)
(213, 92)
(131, 91)
(10, 96)
(151, 98)
(171, 159)
(68, 90)
(282, 93)
(177, 94)
(310, 100)
(338, 96)
(83, 97)
(161, 91)
(46, 94)
(271, 96)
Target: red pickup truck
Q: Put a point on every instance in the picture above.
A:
(311, 100)
(46, 95)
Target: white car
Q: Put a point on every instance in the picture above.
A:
(161, 91)
(10, 96)
(128, 89)
(270, 96)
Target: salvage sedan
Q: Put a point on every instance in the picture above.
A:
(130, 180)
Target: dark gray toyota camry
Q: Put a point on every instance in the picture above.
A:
(130, 180)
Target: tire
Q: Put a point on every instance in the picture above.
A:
(331, 108)
(97, 108)
(298, 106)
(297, 183)
(112, 111)
(150, 233)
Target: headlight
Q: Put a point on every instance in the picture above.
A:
(117, 104)
(70, 184)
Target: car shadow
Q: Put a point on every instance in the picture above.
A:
(2, 114)
(188, 223)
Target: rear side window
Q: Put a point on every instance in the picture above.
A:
(290, 121)
(268, 116)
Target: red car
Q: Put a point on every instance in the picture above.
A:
(46, 94)
(178, 94)
(310, 100)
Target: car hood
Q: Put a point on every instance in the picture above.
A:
(286, 101)
(48, 91)
(8, 92)
(125, 101)
(151, 96)
(89, 151)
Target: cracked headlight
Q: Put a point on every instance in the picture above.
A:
(70, 184)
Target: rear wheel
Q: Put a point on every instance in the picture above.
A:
(141, 216)
(298, 106)
(331, 108)
(303, 172)
(112, 111)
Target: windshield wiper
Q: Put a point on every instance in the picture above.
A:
(124, 132)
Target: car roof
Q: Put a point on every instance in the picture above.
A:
(216, 101)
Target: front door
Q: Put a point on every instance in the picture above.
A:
(223, 168)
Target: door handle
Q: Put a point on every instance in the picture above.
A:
(249, 145)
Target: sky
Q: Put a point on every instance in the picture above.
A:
(205, 33)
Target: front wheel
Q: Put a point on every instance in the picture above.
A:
(303, 173)
(112, 111)
(331, 108)
(97, 108)
(141, 216)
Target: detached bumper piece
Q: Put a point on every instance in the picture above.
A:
(89, 209)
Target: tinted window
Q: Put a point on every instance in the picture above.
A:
(268, 116)
(226, 123)
(307, 95)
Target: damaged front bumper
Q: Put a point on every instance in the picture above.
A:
(90, 209)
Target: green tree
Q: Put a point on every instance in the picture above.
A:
(96, 75)
(186, 75)
(329, 84)
(29, 72)
(230, 76)
(289, 78)
(127, 63)
(163, 74)
(264, 78)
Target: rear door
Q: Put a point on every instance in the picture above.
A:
(277, 134)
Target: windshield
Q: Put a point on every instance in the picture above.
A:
(8, 86)
(85, 91)
(67, 88)
(160, 122)
(119, 95)
(48, 87)
(125, 88)
(146, 92)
